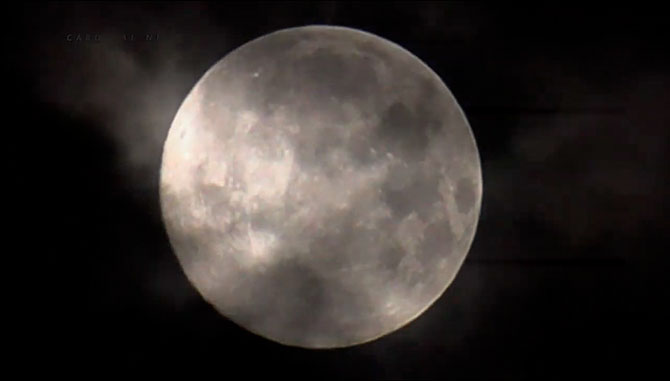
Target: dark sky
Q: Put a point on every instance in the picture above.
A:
(566, 275)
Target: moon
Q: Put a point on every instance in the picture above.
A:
(320, 186)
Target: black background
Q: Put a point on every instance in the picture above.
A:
(566, 275)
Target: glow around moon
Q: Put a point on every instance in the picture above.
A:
(320, 186)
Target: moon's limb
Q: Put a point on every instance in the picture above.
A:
(320, 186)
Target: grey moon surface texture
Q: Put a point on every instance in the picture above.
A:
(320, 186)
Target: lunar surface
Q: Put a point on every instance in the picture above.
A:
(320, 186)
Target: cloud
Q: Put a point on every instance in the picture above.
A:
(585, 173)
(131, 88)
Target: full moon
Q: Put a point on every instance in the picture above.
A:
(320, 186)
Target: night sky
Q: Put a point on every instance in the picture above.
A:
(566, 277)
